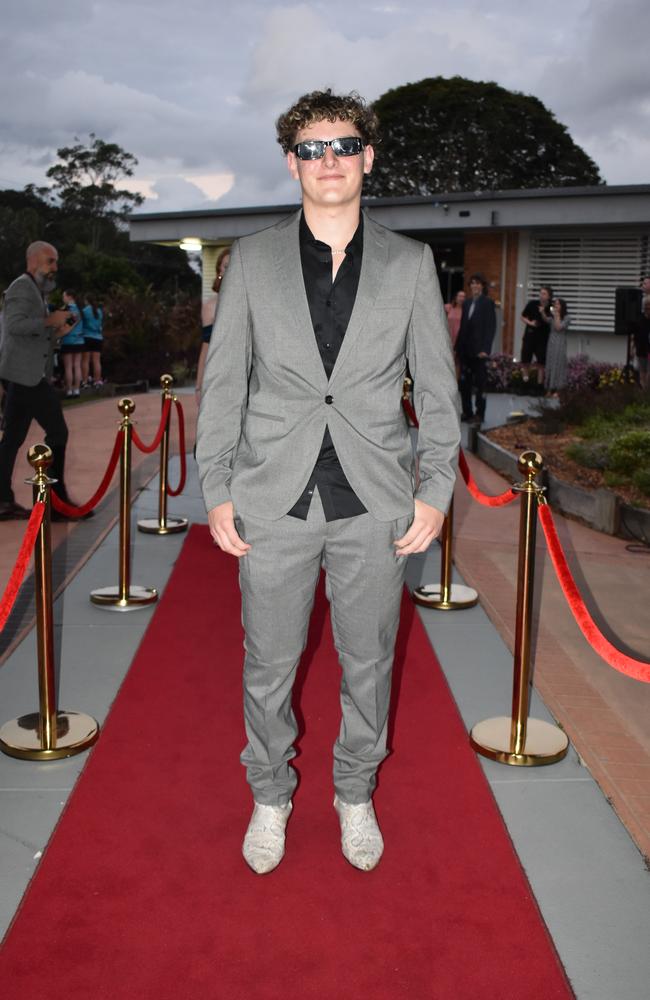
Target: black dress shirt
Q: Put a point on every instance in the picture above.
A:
(330, 306)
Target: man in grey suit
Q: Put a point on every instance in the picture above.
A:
(305, 457)
(26, 368)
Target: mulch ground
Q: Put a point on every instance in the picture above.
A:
(553, 447)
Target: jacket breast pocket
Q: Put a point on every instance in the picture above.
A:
(393, 303)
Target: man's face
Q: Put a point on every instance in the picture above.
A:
(645, 286)
(333, 180)
(544, 297)
(44, 263)
(475, 289)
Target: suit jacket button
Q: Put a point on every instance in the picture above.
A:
(329, 399)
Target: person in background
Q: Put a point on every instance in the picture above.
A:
(454, 310)
(92, 316)
(208, 312)
(29, 332)
(645, 289)
(71, 347)
(556, 355)
(537, 319)
(477, 329)
(642, 343)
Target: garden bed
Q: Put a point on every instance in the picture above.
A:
(570, 488)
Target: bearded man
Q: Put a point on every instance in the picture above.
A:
(29, 334)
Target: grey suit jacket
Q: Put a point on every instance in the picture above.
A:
(266, 398)
(26, 353)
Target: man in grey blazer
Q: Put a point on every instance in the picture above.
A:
(305, 458)
(29, 331)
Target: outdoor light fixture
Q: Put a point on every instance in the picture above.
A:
(191, 245)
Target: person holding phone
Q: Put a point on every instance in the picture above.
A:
(30, 332)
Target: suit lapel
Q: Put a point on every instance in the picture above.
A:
(373, 267)
(301, 339)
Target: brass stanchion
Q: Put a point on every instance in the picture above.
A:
(446, 596)
(47, 734)
(126, 596)
(164, 525)
(519, 739)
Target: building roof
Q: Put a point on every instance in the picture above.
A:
(601, 205)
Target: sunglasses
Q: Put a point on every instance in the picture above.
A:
(314, 149)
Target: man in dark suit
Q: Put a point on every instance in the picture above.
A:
(29, 332)
(477, 328)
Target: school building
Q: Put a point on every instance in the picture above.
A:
(585, 242)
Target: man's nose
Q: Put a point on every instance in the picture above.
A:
(330, 157)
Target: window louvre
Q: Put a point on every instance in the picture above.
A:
(585, 270)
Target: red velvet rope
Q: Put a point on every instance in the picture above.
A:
(181, 445)
(71, 511)
(497, 501)
(410, 412)
(637, 669)
(24, 555)
(164, 417)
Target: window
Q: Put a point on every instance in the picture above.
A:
(585, 270)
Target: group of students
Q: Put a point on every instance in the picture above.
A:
(80, 349)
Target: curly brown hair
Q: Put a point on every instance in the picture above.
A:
(323, 105)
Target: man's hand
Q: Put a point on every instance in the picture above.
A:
(427, 525)
(59, 320)
(222, 528)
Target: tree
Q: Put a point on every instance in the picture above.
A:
(442, 135)
(85, 183)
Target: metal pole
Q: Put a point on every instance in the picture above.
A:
(519, 739)
(164, 525)
(126, 407)
(126, 596)
(48, 734)
(524, 613)
(446, 596)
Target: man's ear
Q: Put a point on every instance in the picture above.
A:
(292, 165)
(368, 159)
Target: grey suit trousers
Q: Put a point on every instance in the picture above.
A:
(278, 579)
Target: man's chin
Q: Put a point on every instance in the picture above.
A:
(45, 282)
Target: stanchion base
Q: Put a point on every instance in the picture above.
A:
(152, 526)
(75, 732)
(109, 598)
(545, 743)
(430, 596)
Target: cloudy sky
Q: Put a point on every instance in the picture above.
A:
(192, 88)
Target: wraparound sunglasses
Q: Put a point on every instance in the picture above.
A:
(314, 149)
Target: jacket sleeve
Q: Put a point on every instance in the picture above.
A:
(489, 325)
(435, 390)
(21, 314)
(225, 386)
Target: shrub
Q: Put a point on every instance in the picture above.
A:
(583, 373)
(499, 372)
(504, 375)
(641, 480)
(144, 337)
(592, 456)
(630, 452)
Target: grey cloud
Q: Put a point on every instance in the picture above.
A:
(194, 88)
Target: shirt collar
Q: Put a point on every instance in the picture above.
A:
(307, 239)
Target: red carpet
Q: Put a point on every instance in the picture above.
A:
(143, 893)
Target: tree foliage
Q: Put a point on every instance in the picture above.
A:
(26, 216)
(85, 180)
(444, 135)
